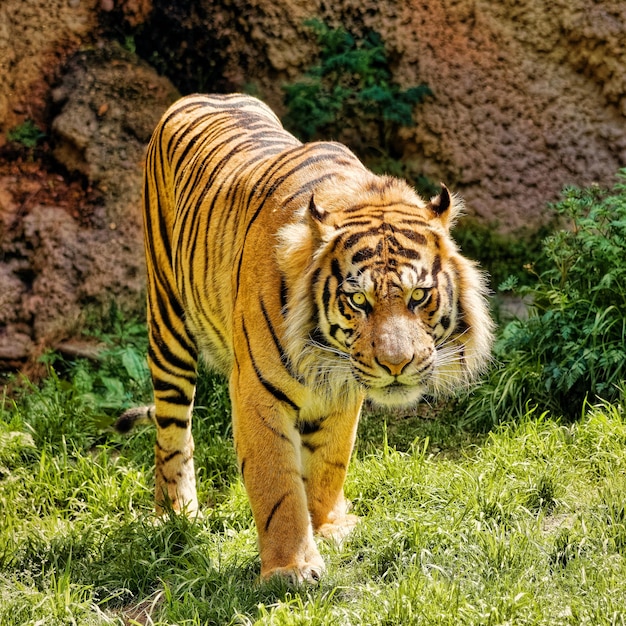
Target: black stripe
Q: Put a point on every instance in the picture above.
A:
(337, 464)
(163, 295)
(461, 325)
(368, 205)
(183, 105)
(385, 205)
(362, 367)
(326, 294)
(309, 427)
(178, 127)
(309, 186)
(166, 480)
(412, 235)
(354, 238)
(187, 187)
(436, 267)
(171, 455)
(217, 335)
(189, 135)
(274, 430)
(335, 270)
(166, 386)
(311, 447)
(150, 213)
(175, 400)
(166, 357)
(277, 393)
(314, 280)
(270, 327)
(363, 255)
(284, 296)
(334, 329)
(166, 422)
(273, 511)
(407, 253)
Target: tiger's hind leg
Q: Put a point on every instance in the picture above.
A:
(172, 358)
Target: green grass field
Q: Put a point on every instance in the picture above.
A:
(491, 510)
(525, 524)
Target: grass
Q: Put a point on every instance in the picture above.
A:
(490, 511)
(525, 524)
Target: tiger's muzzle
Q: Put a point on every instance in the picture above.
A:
(399, 360)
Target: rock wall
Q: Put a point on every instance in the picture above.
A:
(59, 255)
(36, 37)
(524, 102)
(528, 96)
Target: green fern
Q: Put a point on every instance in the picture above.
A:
(27, 134)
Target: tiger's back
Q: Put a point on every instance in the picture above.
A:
(312, 284)
(217, 167)
(201, 145)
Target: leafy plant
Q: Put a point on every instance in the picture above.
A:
(350, 94)
(502, 256)
(27, 134)
(572, 346)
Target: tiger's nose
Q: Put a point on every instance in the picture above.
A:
(394, 364)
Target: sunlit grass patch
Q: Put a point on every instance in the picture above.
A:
(525, 524)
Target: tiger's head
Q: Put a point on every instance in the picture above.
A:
(386, 293)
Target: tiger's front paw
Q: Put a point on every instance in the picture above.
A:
(338, 529)
(308, 572)
(305, 566)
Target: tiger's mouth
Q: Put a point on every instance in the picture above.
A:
(393, 392)
(401, 390)
(396, 394)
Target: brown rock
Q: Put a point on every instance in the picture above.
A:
(35, 37)
(528, 97)
(61, 259)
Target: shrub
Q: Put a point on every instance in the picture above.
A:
(350, 93)
(572, 347)
(28, 134)
(502, 255)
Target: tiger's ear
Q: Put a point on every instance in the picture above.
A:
(317, 213)
(318, 219)
(445, 207)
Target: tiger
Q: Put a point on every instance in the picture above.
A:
(313, 285)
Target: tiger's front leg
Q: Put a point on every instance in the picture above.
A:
(268, 450)
(327, 445)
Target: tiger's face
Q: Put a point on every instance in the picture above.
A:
(391, 322)
(394, 302)
(388, 303)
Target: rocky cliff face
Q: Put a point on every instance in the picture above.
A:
(528, 96)
(524, 103)
(66, 246)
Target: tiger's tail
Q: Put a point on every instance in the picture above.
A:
(137, 415)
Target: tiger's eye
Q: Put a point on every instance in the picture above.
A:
(358, 298)
(418, 295)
